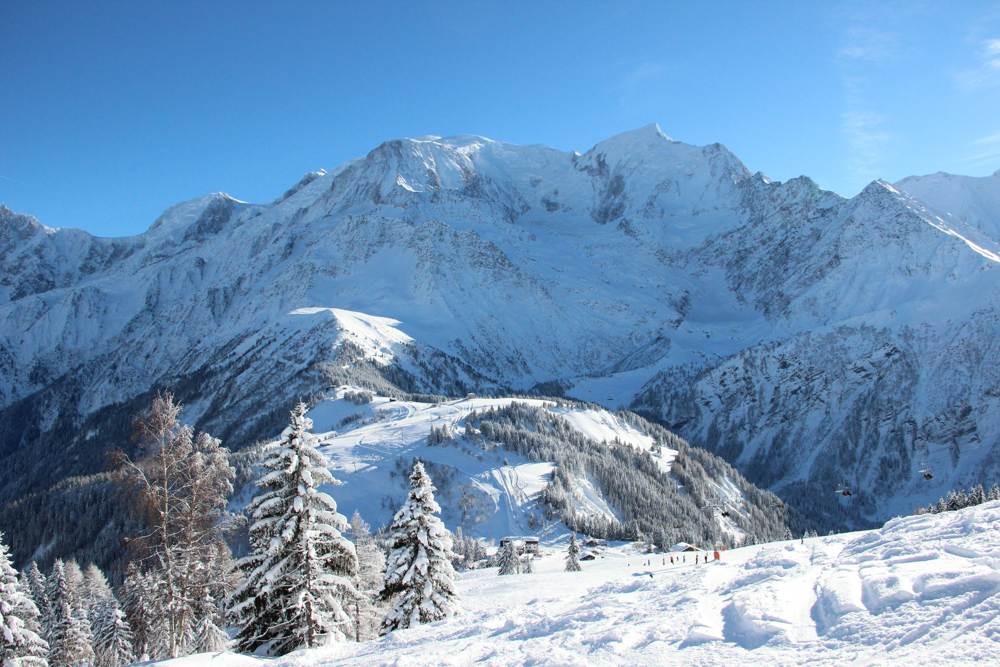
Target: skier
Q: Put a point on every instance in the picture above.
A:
(718, 556)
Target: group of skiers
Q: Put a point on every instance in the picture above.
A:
(675, 560)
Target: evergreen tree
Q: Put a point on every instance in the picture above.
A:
(508, 560)
(209, 637)
(74, 582)
(95, 589)
(419, 577)
(36, 587)
(113, 639)
(69, 640)
(300, 569)
(20, 643)
(573, 555)
(78, 600)
(135, 596)
(367, 607)
(526, 567)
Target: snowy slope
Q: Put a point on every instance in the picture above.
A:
(960, 199)
(923, 589)
(811, 339)
(488, 490)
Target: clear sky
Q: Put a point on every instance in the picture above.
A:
(112, 111)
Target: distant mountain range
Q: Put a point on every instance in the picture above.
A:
(818, 343)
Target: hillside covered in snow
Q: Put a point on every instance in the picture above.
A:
(922, 589)
(505, 466)
(814, 342)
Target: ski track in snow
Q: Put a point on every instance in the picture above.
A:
(922, 588)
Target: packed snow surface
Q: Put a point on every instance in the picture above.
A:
(921, 588)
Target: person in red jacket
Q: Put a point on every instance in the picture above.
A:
(717, 555)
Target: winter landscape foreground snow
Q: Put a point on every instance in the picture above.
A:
(921, 588)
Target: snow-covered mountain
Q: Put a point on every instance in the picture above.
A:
(962, 200)
(491, 488)
(815, 341)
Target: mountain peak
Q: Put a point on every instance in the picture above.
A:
(631, 140)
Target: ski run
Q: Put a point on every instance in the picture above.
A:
(922, 589)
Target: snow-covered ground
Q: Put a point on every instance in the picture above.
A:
(369, 447)
(922, 588)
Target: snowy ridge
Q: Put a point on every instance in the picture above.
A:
(490, 492)
(377, 337)
(966, 199)
(922, 588)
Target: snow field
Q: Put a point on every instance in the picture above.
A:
(922, 588)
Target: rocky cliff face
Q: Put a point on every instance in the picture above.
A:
(815, 341)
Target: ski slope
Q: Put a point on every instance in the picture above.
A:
(921, 589)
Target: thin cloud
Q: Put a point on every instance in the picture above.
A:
(863, 43)
(986, 72)
(642, 74)
(989, 139)
(637, 78)
(985, 150)
(867, 137)
(862, 126)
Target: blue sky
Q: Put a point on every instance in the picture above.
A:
(110, 112)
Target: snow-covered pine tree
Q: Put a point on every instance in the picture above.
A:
(95, 588)
(135, 597)
(79, 602)
(36, 587)
(208, 636)
(573, 555)
(419, 577)
(526, 567)
(458, 547)
(113, 639)
(69, 639)
(208, 576)
(507, 559)
(20, 643)
(367, 609)
(300, 569)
